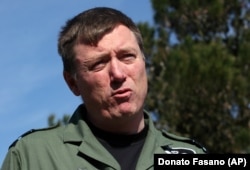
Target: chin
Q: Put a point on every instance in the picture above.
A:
(127, 111)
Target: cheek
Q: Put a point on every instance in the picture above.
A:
(139, 76)
(140, 73)
(93, 86)
(143, 82)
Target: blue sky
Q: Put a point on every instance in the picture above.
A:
(31, 85)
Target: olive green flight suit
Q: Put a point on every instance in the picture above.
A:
(74, 147)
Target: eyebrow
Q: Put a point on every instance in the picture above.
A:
(119, 51)
(127, 49)
(96, 57)
(85, 63)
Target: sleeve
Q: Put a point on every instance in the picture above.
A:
(12, 160)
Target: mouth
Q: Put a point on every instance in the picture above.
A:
(122, 94)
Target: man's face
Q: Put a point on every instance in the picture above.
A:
(111, 77)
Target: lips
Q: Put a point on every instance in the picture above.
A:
(122, 94)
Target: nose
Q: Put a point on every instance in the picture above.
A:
(117, 71)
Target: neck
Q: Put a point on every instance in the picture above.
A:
(122, 125)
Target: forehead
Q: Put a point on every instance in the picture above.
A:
(120, 36)
(120, 39)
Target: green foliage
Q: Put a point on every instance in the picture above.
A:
(61, 121)
(196, 83)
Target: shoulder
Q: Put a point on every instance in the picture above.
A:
(37, 134)
(180, 144)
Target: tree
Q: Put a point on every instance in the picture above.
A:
(61, 121)
(201, 82)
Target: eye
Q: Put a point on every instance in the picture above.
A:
(128, 58)
(98, 65)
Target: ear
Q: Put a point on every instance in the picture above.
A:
(71, 82)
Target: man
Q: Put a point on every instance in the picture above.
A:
(102, 54)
